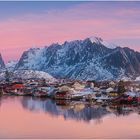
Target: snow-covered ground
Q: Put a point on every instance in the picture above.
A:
(28, 74)
(137, 78)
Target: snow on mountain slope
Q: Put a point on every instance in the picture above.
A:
(137, 78)
(29, 74)
(87, 59)
(2, 76)
(109, 45)
(2, 65)
(99, 40)
(34, 56)
(11, 65)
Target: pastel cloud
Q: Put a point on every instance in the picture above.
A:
(78, 22)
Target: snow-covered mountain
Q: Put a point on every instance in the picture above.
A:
(2, 65)
(27, 74)
(137, 78)
(99, 40)
(11, 65)
(73, 110)
(89, 59)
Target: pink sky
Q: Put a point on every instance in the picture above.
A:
(20, 33)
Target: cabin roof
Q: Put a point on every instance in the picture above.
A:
(18, 86)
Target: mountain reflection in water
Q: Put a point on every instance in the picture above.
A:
(67, 109)
(45, 118)
(76, 110)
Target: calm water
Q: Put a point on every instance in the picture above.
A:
(27, 117)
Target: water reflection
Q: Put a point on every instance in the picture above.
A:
(44, 118)
(67, 109)
(76, 110)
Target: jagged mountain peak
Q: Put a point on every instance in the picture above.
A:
(54, 45)
(2, 64)
(83, 59)
(97, 40)
(100, 41)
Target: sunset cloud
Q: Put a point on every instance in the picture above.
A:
(114, 23)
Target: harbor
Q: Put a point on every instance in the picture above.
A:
(52, 108)
(102, 92)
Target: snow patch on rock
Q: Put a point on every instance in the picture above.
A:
(11, 65)
(29, 74)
